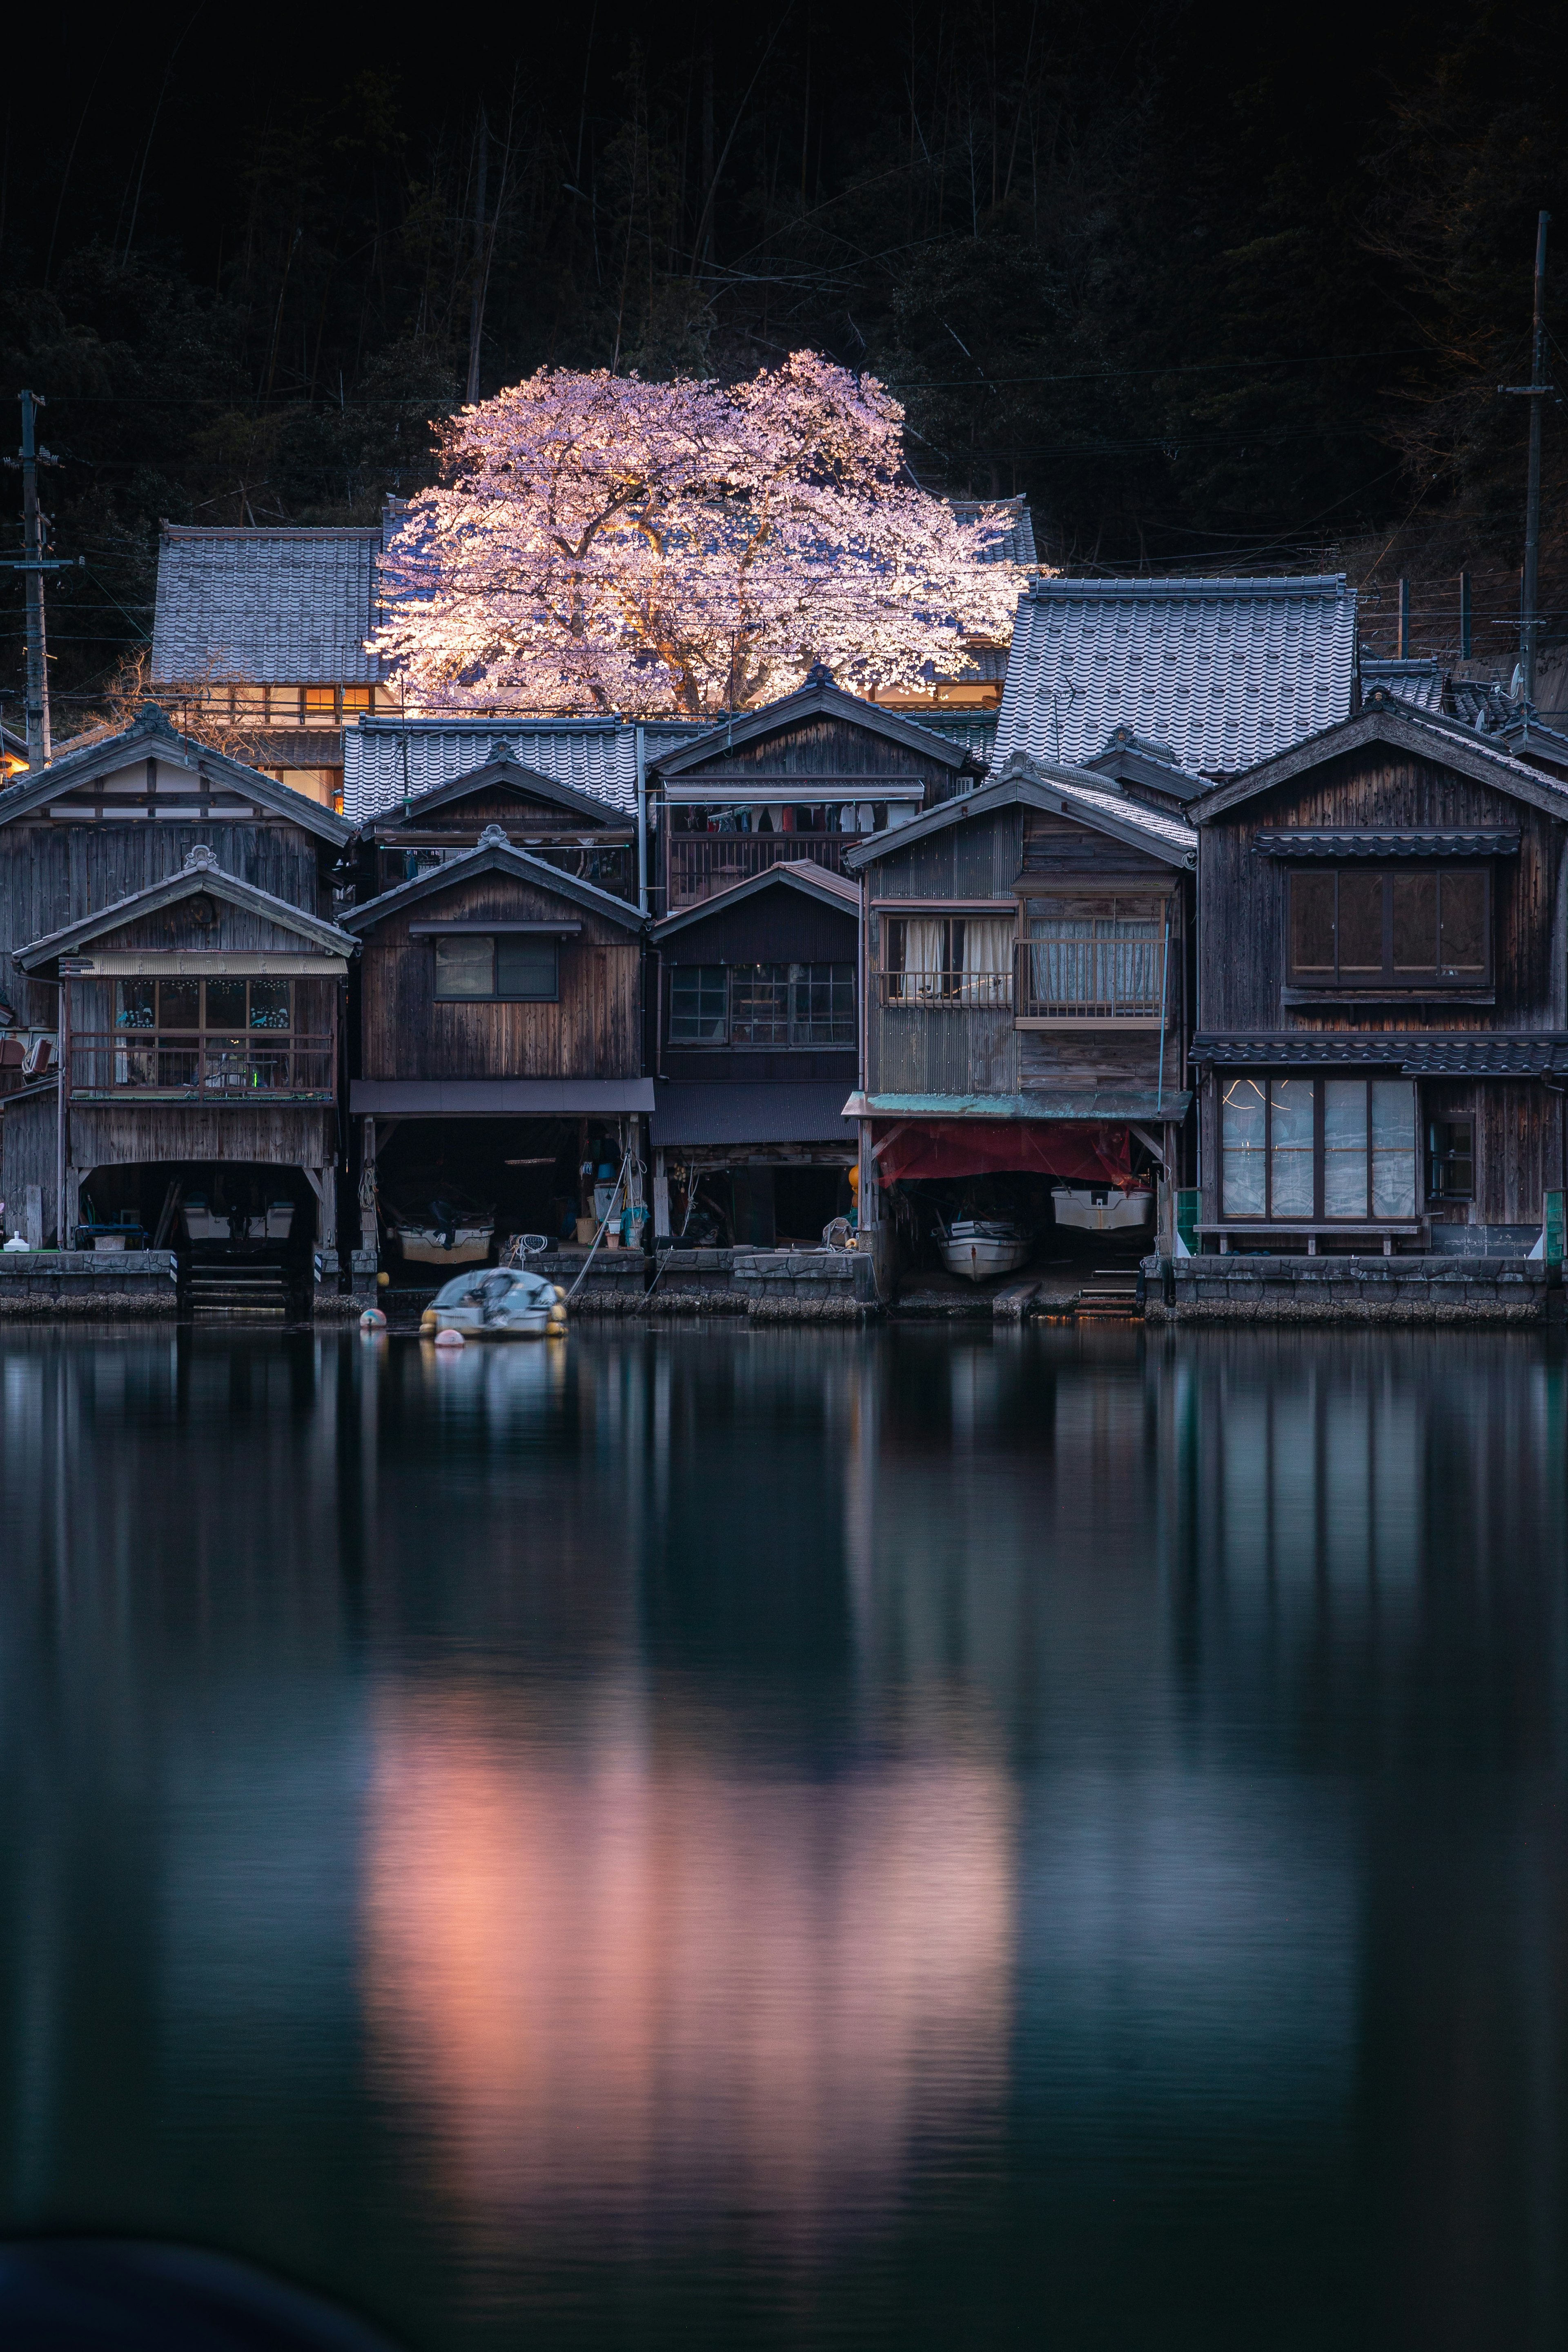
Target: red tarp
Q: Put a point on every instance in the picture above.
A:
(982, 1147)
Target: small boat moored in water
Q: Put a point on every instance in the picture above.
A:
(502, 1302)
(976, 1247)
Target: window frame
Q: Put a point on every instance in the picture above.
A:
(203, 1026)
(496, 995)
(1388, 982)
(959, 992)
(793, 979)
(1466, 1119)
(1318, 1215)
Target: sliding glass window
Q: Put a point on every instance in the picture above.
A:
(1310, 1150)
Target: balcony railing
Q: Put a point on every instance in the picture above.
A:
(208, 1069)
(703, 863)
(968, 991)
(1070, 980)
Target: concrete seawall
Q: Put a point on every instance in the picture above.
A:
(1445, 1289)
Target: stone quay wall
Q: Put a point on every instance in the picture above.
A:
(1446, 1289)
(88, 1285)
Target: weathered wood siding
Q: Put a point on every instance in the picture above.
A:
(594, 1031)
(1242, 940)
(820, 746)
(998, 856)
(52, 872)
(115, 1134)
(1518, 1142)
(777, 925)
(946, 1051)
(29, 1146)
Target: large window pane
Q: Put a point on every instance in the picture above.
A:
(1243, 1136)
(1415, 922)
(225, 1004)
(465, 966)
(1463, 950)
(135, 1004)
(1291, 1102)
(1393, 1147)
(759, 1004)
(179, 1004)
(269, 1003)
(1312, 924)
(696, 1005)
(524, 966)
(823, 1013)
(1360, 925)
(1344, 1147)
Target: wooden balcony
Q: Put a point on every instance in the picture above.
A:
(702, 864)
(150, 1065)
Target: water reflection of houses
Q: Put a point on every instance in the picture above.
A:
(651, 1985)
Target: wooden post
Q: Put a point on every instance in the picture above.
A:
(32, 1215)
(660, 1200)
(367, 1228)
(63, 1236)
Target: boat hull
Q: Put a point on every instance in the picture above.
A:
(1113, 1212)
(975, 1254)
(470, 1244)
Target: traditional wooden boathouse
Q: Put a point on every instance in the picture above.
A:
(1384, 1004)
(1026, 980)
(167, 945)
(756, 1035)
(500, 1041)
(756, 1021)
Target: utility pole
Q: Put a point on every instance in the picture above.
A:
(1536, 392)
(33, 565)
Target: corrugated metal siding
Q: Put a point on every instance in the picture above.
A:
(1224, 674)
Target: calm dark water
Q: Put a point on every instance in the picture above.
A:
(742, 1839)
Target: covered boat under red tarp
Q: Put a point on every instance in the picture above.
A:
(1084, 1151)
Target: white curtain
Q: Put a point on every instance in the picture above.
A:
(925, 942)
(987, 960)
(1106, 960)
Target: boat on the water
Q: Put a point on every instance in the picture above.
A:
(504, 1302)
(976, 1247)
(1103, 1208)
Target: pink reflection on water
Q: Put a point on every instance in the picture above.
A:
(624, 1982)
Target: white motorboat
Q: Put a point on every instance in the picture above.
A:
(977, 1247)
(503, 1303)
(1103, 1208)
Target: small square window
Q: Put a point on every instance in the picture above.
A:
(465, 966)
(525, 966)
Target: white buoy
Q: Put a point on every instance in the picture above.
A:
(450, 1340)
(372, 1320)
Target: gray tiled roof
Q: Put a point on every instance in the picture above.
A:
(384, 761)
(269, 607)
(1223, 673)
(1418, 1055)
(1019, 544)
(1420, 682)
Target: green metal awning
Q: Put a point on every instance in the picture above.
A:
(1145, 1104)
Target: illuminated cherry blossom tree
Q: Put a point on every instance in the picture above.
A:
(601, 543)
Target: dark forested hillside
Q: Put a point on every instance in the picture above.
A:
(1217, 289)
